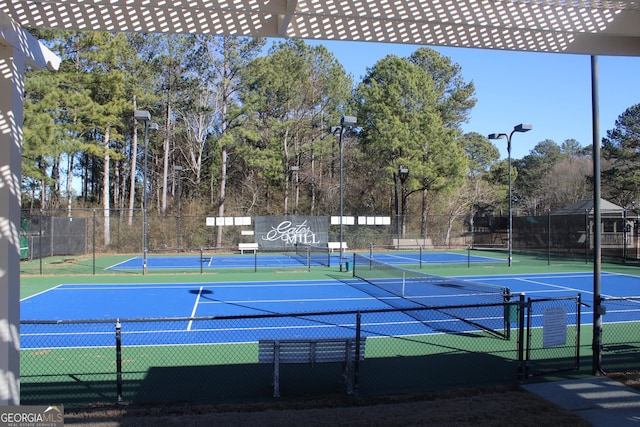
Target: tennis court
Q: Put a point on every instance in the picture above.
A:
(220, 299)
(174, 334)
(275, 260)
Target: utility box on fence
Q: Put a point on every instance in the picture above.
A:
(24, 247)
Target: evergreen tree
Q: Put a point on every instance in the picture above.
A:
(402, 129)
(621, 174)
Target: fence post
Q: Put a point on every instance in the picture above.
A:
(119, 361)
(521, 361)
(40, 242)
(356, 365)
(94, 242)
(549, 237)
(578, 326)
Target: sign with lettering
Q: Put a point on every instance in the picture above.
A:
(283, 232)
(554, 327)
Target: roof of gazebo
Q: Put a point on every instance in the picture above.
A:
(565, 26)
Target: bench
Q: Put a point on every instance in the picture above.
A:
(336, 245)
(311, 351)
(424, 243)
(247, 247)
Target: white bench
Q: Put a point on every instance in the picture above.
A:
(424, 243)
(336, 246)
(311, 351)
(247, 247)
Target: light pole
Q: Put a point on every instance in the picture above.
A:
(345, 121)
(522, 127)
(403, 174)
(293, 170)
(145, 116)
(178, 170)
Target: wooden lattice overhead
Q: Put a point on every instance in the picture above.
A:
(566, 26)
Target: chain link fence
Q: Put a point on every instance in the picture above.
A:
(78, 235)
(621, 335)
(215, 359)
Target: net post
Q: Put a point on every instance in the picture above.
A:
(507, 314)
(255, 261)
(353, 266)
(329, 256)
(119, 362)
(420, 257)
(404, 283)
(308, 258)
(201, 259)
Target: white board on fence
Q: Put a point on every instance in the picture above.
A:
(346, 220)
(554, 326)
(242, 220)
(211, 221)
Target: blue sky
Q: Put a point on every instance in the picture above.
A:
(550, 91)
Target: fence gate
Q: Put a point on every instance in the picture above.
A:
(550, 339)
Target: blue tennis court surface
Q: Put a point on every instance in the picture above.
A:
(190, 300)
(268, 260)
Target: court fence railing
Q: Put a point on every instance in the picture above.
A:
(76, 235)
(621, 335)
(82, 363)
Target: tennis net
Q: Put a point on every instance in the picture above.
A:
(316, 254)
(464, 302)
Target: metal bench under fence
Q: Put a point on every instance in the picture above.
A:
(344, 350)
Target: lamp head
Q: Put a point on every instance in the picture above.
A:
(497, 135)
(348, 121)
(523, 127)
(142, 115)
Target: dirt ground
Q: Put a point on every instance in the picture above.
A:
(496, 406)
(471, 407)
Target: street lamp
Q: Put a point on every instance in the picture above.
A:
(403, 174)
(145, 116)
(177, 169)
(345, 122)
(522, 127)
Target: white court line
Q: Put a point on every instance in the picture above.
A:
(41, 292)
(565, 288)
(195, 307)
(120, 263)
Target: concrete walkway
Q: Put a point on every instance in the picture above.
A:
(601, 401)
